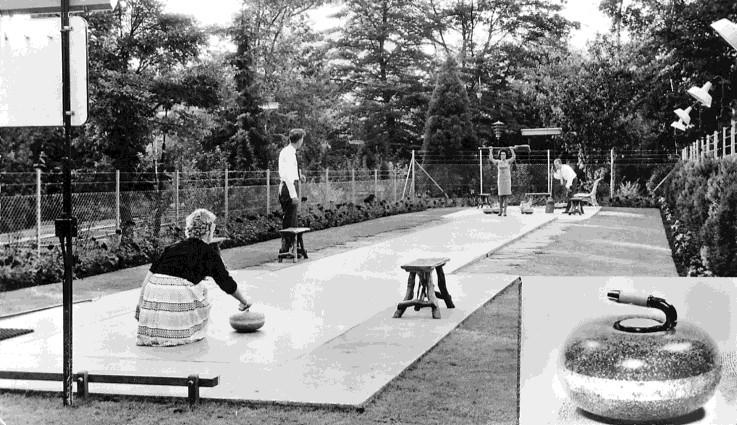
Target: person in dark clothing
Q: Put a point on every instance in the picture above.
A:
(288, 174)
(173, 308)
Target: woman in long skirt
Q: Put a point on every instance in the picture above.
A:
(504, 177)
(173, 308)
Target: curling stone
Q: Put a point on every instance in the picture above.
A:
(525, 207)
(639, 368)
(247, 321)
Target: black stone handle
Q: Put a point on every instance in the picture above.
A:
(671, 316)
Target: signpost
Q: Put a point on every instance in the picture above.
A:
(25, 7)
(66, 225)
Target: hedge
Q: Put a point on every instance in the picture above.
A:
(701, 199)
(21, 266)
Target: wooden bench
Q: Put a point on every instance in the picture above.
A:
(298, 247)
(426, 294)
(578, 199)
(192, 382)
(589, 197)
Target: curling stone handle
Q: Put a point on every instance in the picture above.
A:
(628, 298)
(624, 297)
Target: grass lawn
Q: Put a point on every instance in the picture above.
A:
(470, 377)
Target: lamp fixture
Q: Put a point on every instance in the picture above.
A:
(684, 115)
(679, 125)
(701, 94)
(498, 126)
(727, 29)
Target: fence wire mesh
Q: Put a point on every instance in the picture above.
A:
(30, 202)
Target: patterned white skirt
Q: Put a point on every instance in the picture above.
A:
(171, 311)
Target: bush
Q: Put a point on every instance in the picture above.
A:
(21, 266)
(701, 198)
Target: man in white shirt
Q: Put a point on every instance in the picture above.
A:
(568, 178)
(288, 174)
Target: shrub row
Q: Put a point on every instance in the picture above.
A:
(21, 266)
(701, 198)
(683, 245)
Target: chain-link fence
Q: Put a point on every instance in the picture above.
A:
(29, 202)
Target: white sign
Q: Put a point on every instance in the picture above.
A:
(552, 131)
(52, 6)
(30, 72)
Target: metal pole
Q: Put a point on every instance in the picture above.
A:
(550, 182)
(481, 171)
(38, 213)
(376, 184)
(117, 199)
(66, 229)
(413, 173)
(268, 191)
(353, 185)
(226, 197)
(611, 175)
(327, 187)
(176, 194)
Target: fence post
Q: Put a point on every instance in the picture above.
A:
(394, 183)
(716, 143)
(701, 149)
(176, 195)
(724, 142)
(611, 175)
(550, 182)
(327, 184)
(353, 185)
(117, 199)
(38, 213)
(734, 124)
(481, 171)
(268, 191)
(413, 173)
(226, 197)
(376, 184)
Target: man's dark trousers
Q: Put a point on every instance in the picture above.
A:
(570, 192)
(289, 218)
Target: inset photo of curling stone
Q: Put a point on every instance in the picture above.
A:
(628, 350)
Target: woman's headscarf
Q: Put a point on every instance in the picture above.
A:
(200, 224)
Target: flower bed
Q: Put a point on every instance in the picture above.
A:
(21, 266)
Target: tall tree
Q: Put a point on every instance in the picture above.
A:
(134, 57)
(448, 129)
(379, 58)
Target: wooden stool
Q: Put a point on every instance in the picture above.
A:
(298, 247)
(576, 206)
(426, 295)
(483, 199)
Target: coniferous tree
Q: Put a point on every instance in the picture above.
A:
(448, 129)
(449, 134)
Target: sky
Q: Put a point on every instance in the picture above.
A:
(221, 11)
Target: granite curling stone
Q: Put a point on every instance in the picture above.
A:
(247, 321)
(638, 368)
